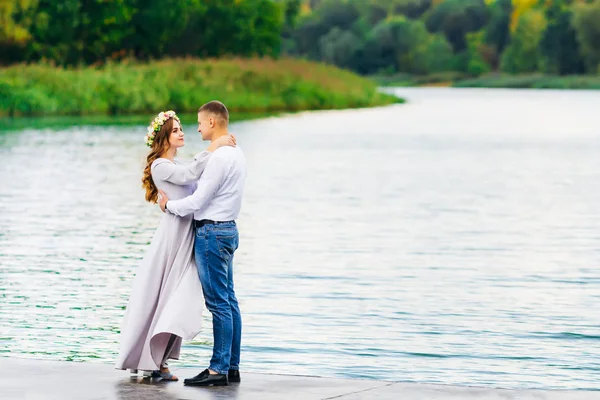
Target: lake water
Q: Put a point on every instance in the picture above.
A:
(454, 239)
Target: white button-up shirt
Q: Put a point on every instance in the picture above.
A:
(218, 196)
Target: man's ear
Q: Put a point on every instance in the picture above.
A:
(212, 122)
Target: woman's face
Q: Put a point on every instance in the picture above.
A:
(176, 136)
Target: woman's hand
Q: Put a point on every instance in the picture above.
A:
(227, 140)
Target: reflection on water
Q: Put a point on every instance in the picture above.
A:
(58, 122)
(453, 240)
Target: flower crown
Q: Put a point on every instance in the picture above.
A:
(157, 123)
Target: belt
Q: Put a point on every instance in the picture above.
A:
(201, 223)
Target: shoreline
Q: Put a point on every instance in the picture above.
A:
(69, 121)
(493, 81)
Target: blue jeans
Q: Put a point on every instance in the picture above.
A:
(213, 248)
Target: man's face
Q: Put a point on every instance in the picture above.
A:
(206, 125)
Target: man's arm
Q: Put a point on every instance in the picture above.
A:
(211, 180)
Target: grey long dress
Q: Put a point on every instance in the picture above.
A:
(166, 298)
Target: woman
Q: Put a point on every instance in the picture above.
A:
(166, 301)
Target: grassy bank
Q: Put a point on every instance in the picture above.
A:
(408, 80)
(244, 85)
(529, 81)
(534, 81)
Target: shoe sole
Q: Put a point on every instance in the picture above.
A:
(205, 385)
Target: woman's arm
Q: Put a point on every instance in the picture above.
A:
(165, 170)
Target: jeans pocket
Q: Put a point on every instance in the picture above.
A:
(227, 245)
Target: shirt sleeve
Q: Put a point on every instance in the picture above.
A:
(210, 181)
(178, 174)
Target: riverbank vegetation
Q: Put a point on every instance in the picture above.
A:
(124, 56)
(244, 85)
(492, 80)
(532, 81)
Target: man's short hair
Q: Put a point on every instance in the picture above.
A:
(217, 109)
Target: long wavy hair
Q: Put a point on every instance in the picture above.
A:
(159, 147)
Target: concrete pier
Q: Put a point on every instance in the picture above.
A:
(26, 379)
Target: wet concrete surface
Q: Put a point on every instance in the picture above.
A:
(27, 379)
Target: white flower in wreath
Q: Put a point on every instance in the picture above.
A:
(156, 124)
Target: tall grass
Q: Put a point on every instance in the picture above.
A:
(244, 85)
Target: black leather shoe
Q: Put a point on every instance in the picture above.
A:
(234, 375)
(204, 378)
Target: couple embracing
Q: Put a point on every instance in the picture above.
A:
(190, 259)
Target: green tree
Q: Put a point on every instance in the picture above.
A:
(524, 53)
(559, 44)
(71, 31)
(456, 18)
(411, 8)
(292, 11)
(479, 54)
(376, 10)
(587, 28)
(328, 15)
(15, 21)
(157, 23)
(102, 27)
(405, 46)
(231, 27)
(53, 31)
(339, 47)
(372, 12)
(497, 32)
(436, 55)
(13, 28)
(257, 28)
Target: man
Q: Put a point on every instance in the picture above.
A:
(216, 204)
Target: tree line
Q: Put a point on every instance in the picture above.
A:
(430, 36)
(72, 32)
(367, 36)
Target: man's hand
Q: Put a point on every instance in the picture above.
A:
(227, 140)
(162, 200)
